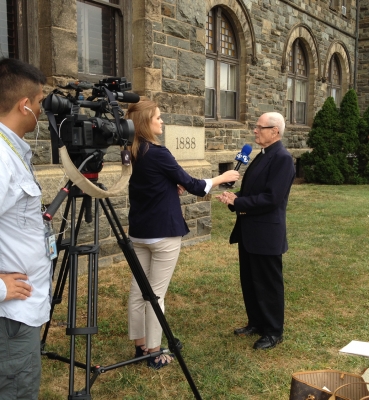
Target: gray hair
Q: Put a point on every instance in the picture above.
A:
(276, 119)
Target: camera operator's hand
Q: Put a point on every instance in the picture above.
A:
(15, 287)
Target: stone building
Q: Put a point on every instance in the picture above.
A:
(213, 66)
(362, 62)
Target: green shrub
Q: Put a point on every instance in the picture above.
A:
(350, 118)
(339, 140)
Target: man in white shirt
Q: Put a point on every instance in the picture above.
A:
(25, 267)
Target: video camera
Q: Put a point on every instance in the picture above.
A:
(85, 136)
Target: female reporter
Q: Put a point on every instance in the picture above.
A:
(156, 224)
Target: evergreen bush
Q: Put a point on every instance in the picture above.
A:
(339, 140)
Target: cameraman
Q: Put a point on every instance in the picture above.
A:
(25, 269)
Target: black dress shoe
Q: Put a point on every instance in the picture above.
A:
(246, 331)
(267, 342)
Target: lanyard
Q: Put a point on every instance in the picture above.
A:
(10, 144)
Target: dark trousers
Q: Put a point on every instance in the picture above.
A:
(20, 360)
(263, 291)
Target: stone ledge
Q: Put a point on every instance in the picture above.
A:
(195, 240)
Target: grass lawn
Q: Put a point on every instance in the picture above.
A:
(327, 299)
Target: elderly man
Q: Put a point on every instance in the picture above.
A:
(260, 231)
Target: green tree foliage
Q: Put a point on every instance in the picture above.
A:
(350, 118)
(324, 139)
(339, 140)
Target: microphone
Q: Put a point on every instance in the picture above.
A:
(242, 158)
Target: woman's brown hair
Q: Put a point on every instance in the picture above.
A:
(141, 113)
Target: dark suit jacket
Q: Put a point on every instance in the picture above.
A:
(261, 205)
(155, 209)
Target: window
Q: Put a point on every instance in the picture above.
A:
(335, 79)
(344, 8)
(297, 85)
(8, 29)
(333, 4)
(223, 167)
(99, 33)
(340, 6)
(221, 69)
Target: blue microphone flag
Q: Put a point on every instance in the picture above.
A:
(243, 155)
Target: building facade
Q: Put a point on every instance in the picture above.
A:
(362, 64)
(213, 66)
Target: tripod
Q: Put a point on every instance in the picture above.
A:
(69, 266)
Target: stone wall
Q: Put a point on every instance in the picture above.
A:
(174, 55)
(169, 55)
(168, 65)
(166, 62)
(363, 51)
(276, 23)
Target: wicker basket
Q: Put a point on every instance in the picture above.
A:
(308, 385)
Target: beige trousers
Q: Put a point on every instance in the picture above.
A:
(158, 261)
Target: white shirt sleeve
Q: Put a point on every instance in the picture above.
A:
(209, 185)
(5, 177)
(3, 290)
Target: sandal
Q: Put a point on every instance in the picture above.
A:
(144, 351)
(141, 351)
(161, 361)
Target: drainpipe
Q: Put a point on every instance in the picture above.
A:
(356, 45)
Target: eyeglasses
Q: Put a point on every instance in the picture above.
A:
(259, 127)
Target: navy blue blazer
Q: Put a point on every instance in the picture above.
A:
(262, 202)
(155, 209)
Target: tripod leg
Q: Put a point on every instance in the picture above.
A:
(62, 245)
(62, 277)
(69, 267)
(92, 252)
(146, 290)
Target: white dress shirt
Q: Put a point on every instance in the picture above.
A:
(22, 233)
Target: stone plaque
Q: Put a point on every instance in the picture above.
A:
(185, 142)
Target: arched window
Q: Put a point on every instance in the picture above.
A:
(297, 84)
(221, 71)
(335, 79)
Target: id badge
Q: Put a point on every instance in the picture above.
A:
(126, 157)
(51, 245)
(50, 242)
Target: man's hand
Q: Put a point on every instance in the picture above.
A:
(180, 189)
(227, 198)
(15, 288)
